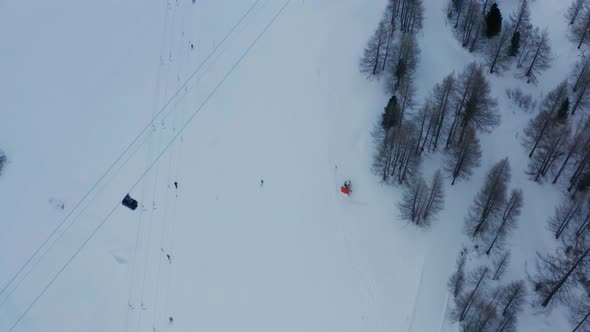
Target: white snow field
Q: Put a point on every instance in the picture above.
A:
(102, 98)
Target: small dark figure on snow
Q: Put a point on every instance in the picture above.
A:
(175, 184)
(169, 259)
(171, 320)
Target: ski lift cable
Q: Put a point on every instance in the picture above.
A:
(21, 278)
(184, 126)
(125, 151)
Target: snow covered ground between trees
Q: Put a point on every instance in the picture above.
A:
(276, 94)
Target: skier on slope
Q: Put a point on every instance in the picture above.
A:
(346, 188)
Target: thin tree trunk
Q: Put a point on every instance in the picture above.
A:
(581, 322)
(564, 279)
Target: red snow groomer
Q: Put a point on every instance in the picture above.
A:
(346, 188)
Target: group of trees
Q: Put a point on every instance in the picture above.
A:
(392, 50)
(558, 146)
(421, 201)
(494, 212)
(579, 20)
(482, 29)
(563, 277)
(450, 118)
(482, 303)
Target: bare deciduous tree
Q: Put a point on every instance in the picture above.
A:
(564, 215)
(500, 265)
(550, 149)
(539, 59)
(372, 61)
(457, 280)
(421, 202)
(436, 197)
(580, 140)
(473, 104)
(464, 302)
(580, 313)
(403, 64)
(489, 201)
(520, 20)
(539, 126)
(497, 57)
(555, 275)
(462, 158)
(414, 201)
(395, 158)
(406, 14)
(441, 101)
(580, 28)
(507, 222)
(575, 9)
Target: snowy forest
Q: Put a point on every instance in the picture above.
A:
(447, 125)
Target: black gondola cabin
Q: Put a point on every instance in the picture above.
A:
(129, 202)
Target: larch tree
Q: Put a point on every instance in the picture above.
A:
(472, 104)
(395, 158)
(575, 9)
(497, 58)
(579, 31)
(493, 21)
(426, 119)
(555, 275)
(580, 73)
(550, 151)
(489, 201)
(512, 300)
(442, 96)
(465, 301)
(580, 312)
(407, 94)
(507, 222)
(414, 201)
(407, 15)
(435, 199)
(500, 265)
(471, 25)
(403, 65)
(539, 59)
(565, 215)
(579, 140)
(480, 107)
(538, 127)
(581, 166)
(581, 95)
(456, 282)
(371, 63)
(462, 158)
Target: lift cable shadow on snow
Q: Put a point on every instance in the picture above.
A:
(96, 229)
(121, 156)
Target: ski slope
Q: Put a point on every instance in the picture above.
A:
(222, 94)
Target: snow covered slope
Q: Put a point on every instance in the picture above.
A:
(238, 91)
